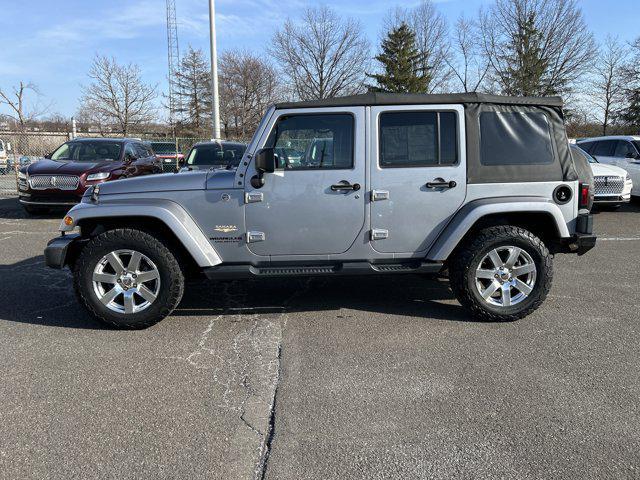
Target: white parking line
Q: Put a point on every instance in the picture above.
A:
(618, 239)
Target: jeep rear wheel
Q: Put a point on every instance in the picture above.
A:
(128, 279)
(502, 273)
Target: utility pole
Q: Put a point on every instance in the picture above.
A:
(215, 102)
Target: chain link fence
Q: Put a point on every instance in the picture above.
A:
(22, 149)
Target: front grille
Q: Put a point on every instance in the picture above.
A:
(608, 185)
(56, 182)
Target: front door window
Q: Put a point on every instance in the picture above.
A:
(304, 142)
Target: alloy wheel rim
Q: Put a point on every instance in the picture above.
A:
(506, 276)
(126, 281)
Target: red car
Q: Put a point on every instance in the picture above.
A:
(61, 178)
(171, 157)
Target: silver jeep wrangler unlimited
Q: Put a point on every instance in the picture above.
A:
(484, 187)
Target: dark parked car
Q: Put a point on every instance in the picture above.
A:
(215, 154)
(170, 156)
(62, 177)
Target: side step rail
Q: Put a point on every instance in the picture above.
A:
(223, 271)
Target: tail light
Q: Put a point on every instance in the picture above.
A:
(585, 195)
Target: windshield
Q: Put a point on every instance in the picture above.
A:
(579, 151)
(216, 154)
(88, 151)
(164, 148)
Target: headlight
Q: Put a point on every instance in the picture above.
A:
(627, 178)
(22, 176)
(98, 176)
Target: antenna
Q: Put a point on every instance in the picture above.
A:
(173, 57)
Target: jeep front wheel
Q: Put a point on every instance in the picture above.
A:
(502, 273)
(128, 278)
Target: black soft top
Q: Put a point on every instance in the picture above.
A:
(373, 99)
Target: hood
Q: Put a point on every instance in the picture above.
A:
(156, 183)
(46, 166)
(600, 169)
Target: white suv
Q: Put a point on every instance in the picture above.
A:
(4, 158)
(612, 184)
(622, 151)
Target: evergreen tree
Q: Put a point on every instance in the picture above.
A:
(192, 83)
(630, 115)
(527, 67)
(402, 64)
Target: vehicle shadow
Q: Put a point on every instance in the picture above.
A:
(631, 207)
(35, 294)
(10, 208)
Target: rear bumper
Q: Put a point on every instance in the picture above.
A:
(583, 240)
(57, 251)
(579, 243)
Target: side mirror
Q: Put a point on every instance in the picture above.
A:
(48, 155)
(631, 155)
(181, 162)
(265, 163)
(129, 158)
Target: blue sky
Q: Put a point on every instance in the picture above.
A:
(52, 43)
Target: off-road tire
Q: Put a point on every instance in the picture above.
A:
(171, 277)
(465, 261)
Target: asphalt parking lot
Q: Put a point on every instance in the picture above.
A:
(327, 378)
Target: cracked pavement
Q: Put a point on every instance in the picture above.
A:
(324, 378)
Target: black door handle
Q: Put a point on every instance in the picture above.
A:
(344, 185)
(441, 184)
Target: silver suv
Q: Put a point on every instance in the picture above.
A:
(482, 187)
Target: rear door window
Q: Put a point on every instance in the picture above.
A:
(604, 148)
(624, 149)
(418, 139)
(515, 138)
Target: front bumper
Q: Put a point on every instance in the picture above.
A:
(612, 199)
(57, 253)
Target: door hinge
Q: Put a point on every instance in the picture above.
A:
(379, 234)
(377, 195)
(253, 237)
(253, 197)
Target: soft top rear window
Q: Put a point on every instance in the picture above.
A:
(515, 138)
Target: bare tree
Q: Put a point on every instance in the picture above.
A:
(23, 111)
(118, 96)
(536, 47)
(323, 55)
(468, 65)
(608, 86)
(248, 85)
(430, 28)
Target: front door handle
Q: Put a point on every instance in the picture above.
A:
(440, 183)
(345, 185)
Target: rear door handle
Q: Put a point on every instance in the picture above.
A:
(440, 183)
(344, 185)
